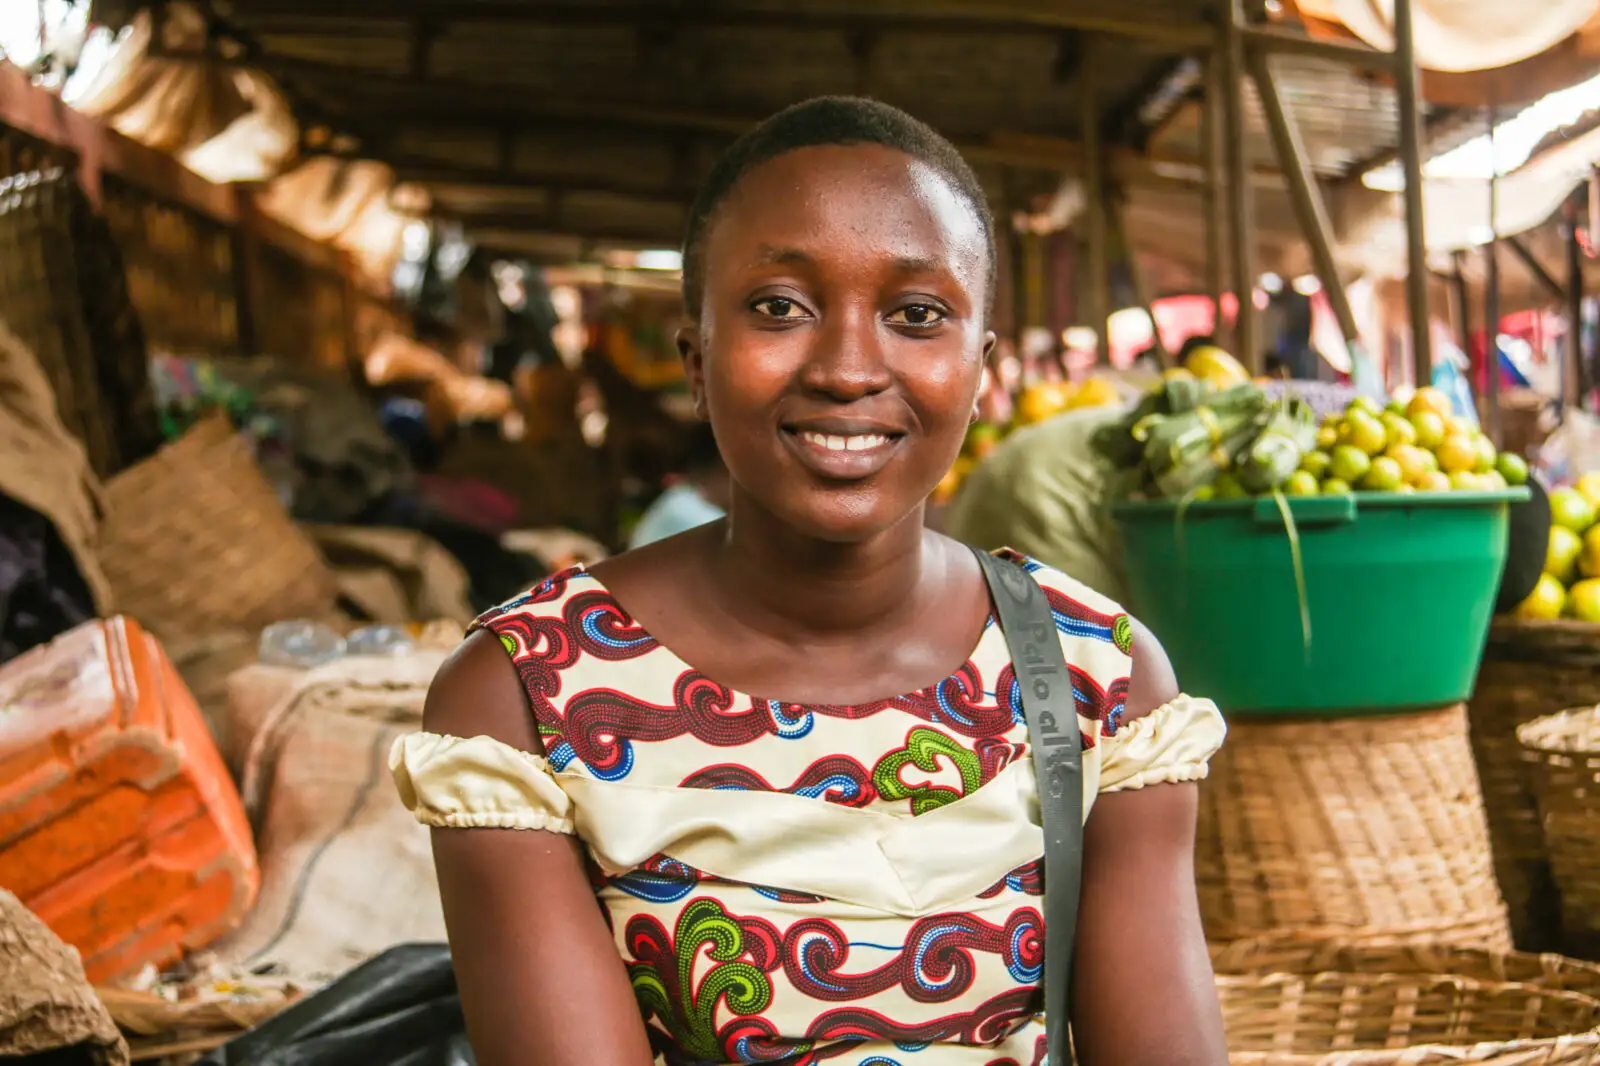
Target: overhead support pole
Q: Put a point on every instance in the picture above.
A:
(1141, 284)
(1098, 269)
(1240, 206)
(1408, 84)
(1213, 131)
(1574, 363)
(1268, 40)
(1491, 298)
(1304, 192)
(1553, 288)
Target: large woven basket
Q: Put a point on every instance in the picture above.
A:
(1319, 1003)
(1562, 753)
(1369, 828)
(1530, 669)
(195, 540)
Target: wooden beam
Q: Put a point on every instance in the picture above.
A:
(1409, 86)
(959, 17)
(1271, 40)
(1536, 269)
(1304, 193)
(1214, 136)
(98, 149)
(534, 226)
(1097, 282)
(1241, 206)
(490, 179)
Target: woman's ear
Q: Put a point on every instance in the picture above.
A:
(689, 350)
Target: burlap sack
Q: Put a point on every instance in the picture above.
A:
(345, 870)
(45, 467)
(46, 1003)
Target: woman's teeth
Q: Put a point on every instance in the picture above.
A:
(856, 443)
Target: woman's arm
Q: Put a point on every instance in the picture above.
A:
(1143, 990)
(541, 981)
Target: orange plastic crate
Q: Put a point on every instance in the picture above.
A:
(119, 825)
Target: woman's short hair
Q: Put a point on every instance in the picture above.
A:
(828, 120)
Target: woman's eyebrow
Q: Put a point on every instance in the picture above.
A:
(770, 253)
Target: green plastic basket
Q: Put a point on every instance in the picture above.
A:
(1399, 589)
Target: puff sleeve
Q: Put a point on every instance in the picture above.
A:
(1174, 742)
(477, 782)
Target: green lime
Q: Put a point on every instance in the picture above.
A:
(1569, 508)
(1315, 463)
(1336, 486)
(1512, 467)
(1385, 475)
(1301, 483)
(1430, 428)
(1397, 429)
(1487, 456)
(1327, 437)
(1349, 463)
(1362, 430)
(1466, 481)
(1365, 404)
(1227, 487)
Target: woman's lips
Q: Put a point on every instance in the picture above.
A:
(842, 456)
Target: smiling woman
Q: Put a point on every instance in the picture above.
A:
(789, 746)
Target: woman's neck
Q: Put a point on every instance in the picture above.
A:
(795, 587)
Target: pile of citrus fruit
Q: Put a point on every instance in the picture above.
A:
(1570, 584)
(1418, 446)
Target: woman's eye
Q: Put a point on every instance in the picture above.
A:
(778, 307)
(917, 315)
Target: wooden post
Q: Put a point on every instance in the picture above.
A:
(1574, 364)
(1214, 132)
(1098, 267)
(1409, 92)
(1247, 345)
(1141, 284)
(1491, 298)
(1304, 193)
(1463, 301)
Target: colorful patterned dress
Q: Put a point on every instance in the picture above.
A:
(804, 883)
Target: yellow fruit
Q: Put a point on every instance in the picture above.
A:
(1365, 404)
(1335, 486)
(1545, 602)
(1203, 493)
(1494, 480)
(1466, 481)
(1561, 555)
(1210, 363)
(1514, 468)
(1454, 424)
(1486, 454)
(1397, 430)
(1361, 430)
(1096, 392)
(1349, 464)
(1428, 398)
(1315, 463)
(1412, 459)
(1327, 437)
(1434, 481)
(1039, 401)
(1301, 483)
(1589, 555)
(1588, 487)
(1384, 476)
(947, 487)
(1583, 601)
(1458, 454)
(1430, 428)
(1570, 508)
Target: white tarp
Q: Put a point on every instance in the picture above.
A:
(1463, 35)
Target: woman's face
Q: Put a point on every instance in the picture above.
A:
(841, 336)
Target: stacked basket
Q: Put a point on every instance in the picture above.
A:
(1312, 1003)
(1530, 669)
(1562, 756)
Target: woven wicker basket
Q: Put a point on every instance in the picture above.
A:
(1318, 1003)
(1562, 754)
(1530, 669)
(1369, 828)
(195, 540)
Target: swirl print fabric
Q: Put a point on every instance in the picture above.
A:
(728, 971)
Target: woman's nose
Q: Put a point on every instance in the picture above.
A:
(846, 361)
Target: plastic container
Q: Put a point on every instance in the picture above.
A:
(1399, 589)
(119, 825)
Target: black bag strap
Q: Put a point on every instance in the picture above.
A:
(1052, 714)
